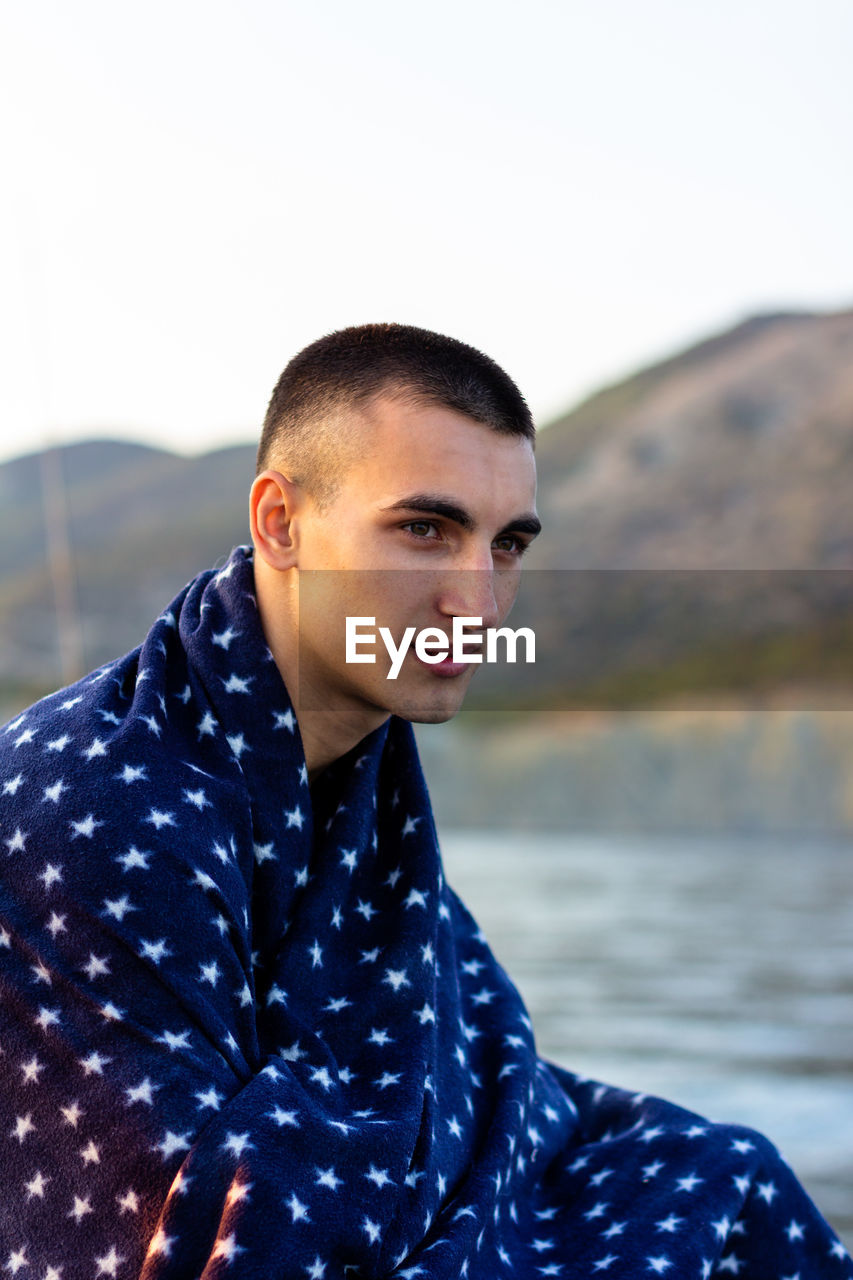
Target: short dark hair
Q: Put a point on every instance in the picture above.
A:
(346, 370)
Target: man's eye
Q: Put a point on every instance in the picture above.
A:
(420, 528)
(511, 544)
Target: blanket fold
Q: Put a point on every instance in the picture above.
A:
(249, 1031)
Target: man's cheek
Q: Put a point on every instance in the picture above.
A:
(505, 602)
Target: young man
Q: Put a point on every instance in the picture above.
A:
(419, 486)
(246, 1028)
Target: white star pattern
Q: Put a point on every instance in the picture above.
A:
(210, 1098)
(134, 858)
(161, 1243)
(36, 1186)
(227, 1249)
(154, 951)
(159, 819)
(85, 827)
(32, 1070)
(172, 1143)
(298, 1210)
(142, 1092)
(372, 1230)
(72, 1113)
(131, 773)
(197, 799)
(17, 1260)
(236, 1144)
(82, 1207)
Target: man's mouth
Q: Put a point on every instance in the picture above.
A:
(447, 668)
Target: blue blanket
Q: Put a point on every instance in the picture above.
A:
(247, 1030)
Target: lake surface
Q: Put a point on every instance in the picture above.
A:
(716, 973)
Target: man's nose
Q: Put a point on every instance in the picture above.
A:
(470, 593)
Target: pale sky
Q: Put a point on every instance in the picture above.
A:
(193, 191)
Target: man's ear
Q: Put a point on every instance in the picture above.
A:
(272, 507)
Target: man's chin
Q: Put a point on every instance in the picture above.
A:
(431, 716)
(435, 707)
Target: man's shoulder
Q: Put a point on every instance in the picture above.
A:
(157, 745)
(109, 783)
(54, 730)
(97, 744)
(135, 695)
(62, 759)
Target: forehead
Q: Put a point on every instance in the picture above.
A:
(415, 446)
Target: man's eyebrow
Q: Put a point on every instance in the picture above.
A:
(432, 504)
(523, 524)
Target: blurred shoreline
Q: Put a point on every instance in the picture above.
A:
(718, 769)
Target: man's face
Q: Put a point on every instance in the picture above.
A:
(430, 523)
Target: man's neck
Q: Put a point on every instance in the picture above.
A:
(327, 732)
(326, 736)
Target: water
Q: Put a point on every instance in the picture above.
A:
(716, 973)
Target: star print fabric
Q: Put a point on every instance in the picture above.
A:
(250, 1032)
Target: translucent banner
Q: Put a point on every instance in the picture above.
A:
(422, 643)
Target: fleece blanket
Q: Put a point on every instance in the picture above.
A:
(249, 1031)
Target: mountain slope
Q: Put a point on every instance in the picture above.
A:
(141, 523)
(737, 453)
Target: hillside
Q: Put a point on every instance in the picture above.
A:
(141, 523)
(734, 454)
